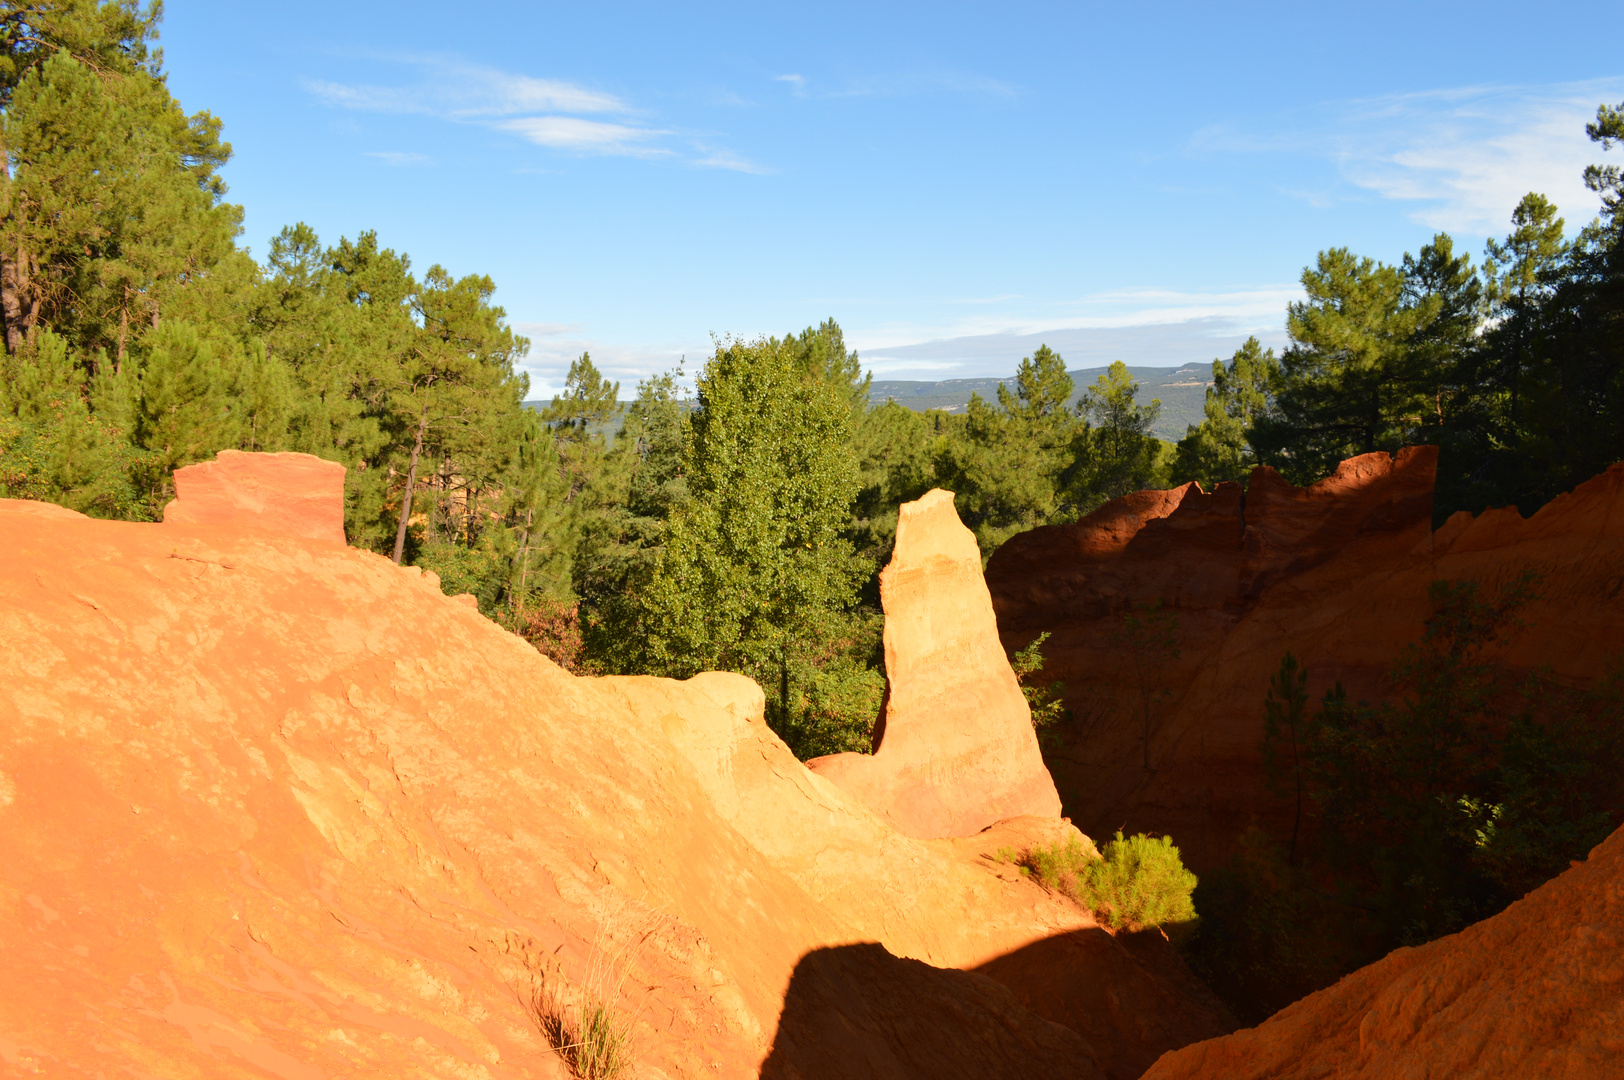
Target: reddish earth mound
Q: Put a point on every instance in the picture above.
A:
(271, 806)
(286, 494)
(1336, 572)
(1535, 991)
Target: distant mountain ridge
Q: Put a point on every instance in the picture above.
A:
(1182, 392)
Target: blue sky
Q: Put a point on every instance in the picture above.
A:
(941, 179)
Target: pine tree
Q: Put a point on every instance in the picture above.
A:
(1120, 454)
(1006, 462)
(114, 203)
(1348, 383)
(1217, 450)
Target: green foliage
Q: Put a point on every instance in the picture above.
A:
(1349, 383)
(1141, 882)
(1062, 865)
(1512, 370)
(1045, 700)
(1217, 451)
(1122, 455)
(1147, 643)
(1136, 883)
(896, 450)
(56, 445)
(1007, 463)
(1267, 935)
(602, 1047)
(754, 572)
(1419, 815)
(1285, 727)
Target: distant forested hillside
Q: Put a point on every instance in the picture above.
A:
(1182, 392)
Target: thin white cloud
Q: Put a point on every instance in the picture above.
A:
(589, 136)
(399, 157)
(1463, 156)
(797, 83)
(726, 159)
(535, 109)
(1156, 344)
(1259, 309)
(456, 90)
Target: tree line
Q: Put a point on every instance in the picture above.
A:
(737, 521)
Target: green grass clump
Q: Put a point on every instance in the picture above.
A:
(602, 1047)
(1140, 881)
(1059, 866)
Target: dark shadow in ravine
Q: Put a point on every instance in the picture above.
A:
(856, 1011)
(1128, 995)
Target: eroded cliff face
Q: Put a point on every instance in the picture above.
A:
(956, 750)
(274, 806)
(1535, 991)
(1336, 572)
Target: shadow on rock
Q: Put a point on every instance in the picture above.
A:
(1130, 996)
(857, 1011)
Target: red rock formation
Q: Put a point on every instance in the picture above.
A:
(283, 494)
(957, 751)
(1336, 572)
(1535, 991)
(274, 806)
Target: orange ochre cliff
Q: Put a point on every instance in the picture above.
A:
(275, 807)
(1337, 573)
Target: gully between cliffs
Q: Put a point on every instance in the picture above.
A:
(1336, 572)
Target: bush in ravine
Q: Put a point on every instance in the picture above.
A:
(1138, 882)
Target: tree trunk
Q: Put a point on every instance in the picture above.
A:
(411, 482)
(13, 286)
(524, 566)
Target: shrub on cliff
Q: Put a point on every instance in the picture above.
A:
(1137, 882)
(1141, 881)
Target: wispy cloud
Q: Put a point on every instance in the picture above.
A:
(458, 90)
(551, 113)
(1463, 156)
(906, 84)
(399, 157)
(590, 136)
(726, 159)
(1256, 309)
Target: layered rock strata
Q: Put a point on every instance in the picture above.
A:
(955, 750)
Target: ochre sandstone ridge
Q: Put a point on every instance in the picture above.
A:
(286, 494)
(957, 750)
(1336, 572)
(1536, 991)
(272, 806)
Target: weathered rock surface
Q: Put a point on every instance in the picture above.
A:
(1535, 991)
(286, 494)
(957, 750)
(274, 806)
(1337, 573)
